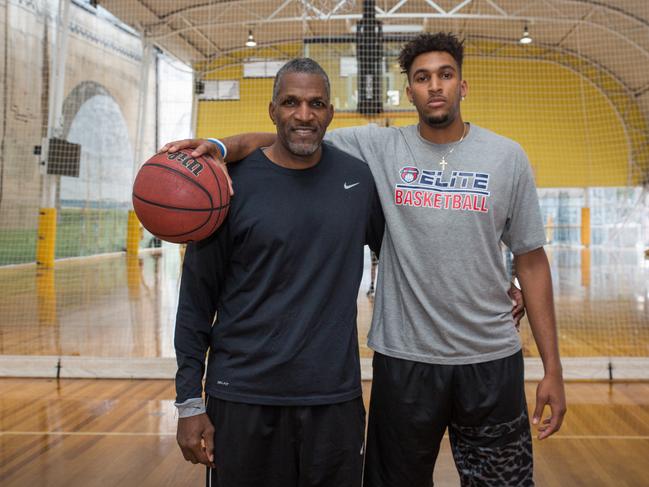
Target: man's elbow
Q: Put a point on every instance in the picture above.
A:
(530, 262)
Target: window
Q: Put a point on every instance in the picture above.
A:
(261, 68)
(222, 89)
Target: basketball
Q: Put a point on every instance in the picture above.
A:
(179, 198)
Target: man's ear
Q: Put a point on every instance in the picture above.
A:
(330, 115)
(409, 93)
(271, 112)
(464, 88)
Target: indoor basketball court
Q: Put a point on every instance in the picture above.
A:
(88, 297)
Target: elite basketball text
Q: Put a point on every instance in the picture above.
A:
(462, 190)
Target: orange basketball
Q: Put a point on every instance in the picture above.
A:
(179, 198)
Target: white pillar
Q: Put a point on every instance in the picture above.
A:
(56, 96)
(143, 104)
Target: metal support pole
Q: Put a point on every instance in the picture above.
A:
(369, 52)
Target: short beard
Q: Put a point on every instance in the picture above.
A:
(303, 149)
(439, 122)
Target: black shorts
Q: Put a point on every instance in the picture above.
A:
(482, 405)
(287, 446)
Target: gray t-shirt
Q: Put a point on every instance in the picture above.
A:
(442, 294)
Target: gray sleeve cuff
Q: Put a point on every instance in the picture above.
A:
(190, 407)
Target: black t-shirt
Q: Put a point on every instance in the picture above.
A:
(282, 276)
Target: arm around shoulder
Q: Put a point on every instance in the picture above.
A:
(242, 145)
(356, 141)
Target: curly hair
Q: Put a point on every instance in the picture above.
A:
(423, 43)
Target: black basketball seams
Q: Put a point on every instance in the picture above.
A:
(167, 207)
(209, 212)
(180, 173)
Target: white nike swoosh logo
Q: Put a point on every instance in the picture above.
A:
(348, 186)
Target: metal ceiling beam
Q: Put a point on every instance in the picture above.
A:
(503, 14)
(618, 10)
(436, 7)
(459, 7)
(192, 7)
(338, 6)
(574, 27)
(223, 6)
(641, 91)
(429, 15)
(396, 7)
(152, 12)
(195, 29)
(320, 14)
(150, 30)
(549, 5)
(279, 9)
(392, 13)
(497, 7)
(209, 41)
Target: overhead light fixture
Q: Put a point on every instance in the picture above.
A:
(526, 39)
(251, 42)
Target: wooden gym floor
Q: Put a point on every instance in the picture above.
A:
(122, 433)
(116, 307)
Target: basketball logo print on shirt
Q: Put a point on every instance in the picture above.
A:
(409, 174)
(461, 191)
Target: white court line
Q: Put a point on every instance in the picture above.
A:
(598, 437)
(82, 433)
(133, 433)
